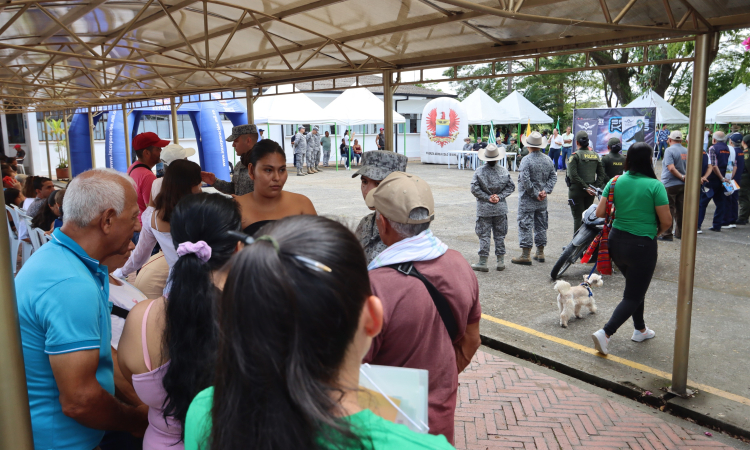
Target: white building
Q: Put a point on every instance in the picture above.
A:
(27, 129)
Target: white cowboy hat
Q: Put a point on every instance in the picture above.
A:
(492, 153)
(535, 139)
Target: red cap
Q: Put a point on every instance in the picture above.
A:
(382, 129)
(148, 139)
(17, 146)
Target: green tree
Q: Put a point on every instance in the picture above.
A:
(57, 131)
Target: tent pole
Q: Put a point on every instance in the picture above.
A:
(404, 133)
(388, 109)
(15, 421)
(91, 139)
(127, 133)
(336, 139)
(250, 109)
(173, 107)
(67, 146)
(690, 217)
(351, 142)
(46, 141)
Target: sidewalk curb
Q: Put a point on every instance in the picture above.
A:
(628, 390)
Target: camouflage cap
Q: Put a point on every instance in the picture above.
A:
(242, 129)
(378, 164)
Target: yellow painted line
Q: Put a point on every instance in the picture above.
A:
(617, 359)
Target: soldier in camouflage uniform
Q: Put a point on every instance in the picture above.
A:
(243, 139)
(513, 148)
(376, 165)
(536, 179)
(313, 151)
(584, 169)
(300, 149)
(491, 185)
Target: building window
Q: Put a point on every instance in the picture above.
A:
(16, 133)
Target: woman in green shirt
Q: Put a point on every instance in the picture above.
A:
(297, 316)
(641, 213)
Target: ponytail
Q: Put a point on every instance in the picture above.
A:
(190, 337)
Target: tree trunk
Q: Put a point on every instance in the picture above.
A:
(618, 79)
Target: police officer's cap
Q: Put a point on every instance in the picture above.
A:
(582, 138)
(613, 141)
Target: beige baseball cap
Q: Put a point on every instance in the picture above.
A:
(399, 194)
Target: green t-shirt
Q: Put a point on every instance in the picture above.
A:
(636, 197)
(385, 435)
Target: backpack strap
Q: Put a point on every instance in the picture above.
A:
(441, 303)
(119, 312)
(139, 165)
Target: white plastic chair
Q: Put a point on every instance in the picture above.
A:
(14, 241)
(36, 240)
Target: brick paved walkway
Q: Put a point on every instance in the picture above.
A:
(504, 405)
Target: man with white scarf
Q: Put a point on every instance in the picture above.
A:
(430, 296)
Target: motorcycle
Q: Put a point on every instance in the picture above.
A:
(582, 238)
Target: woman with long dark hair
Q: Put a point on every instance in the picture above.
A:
(168, 345)
(297, 315)
(47, 215)
(641, 212)
(266, 165)
(182, 179)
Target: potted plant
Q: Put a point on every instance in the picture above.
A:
(58, 132)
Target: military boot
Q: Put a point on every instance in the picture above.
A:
(539, 255)
(524, 259)
(309, 170)
(500, 262)
(481, 266)
(299, 172)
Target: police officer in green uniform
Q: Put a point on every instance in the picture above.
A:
(584, 169)
(614, 161)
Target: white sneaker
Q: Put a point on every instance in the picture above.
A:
(601, 341)
(640, 337)
(731, 225)
(700, 231)
(726, 226)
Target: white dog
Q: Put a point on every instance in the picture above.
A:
(571, 299)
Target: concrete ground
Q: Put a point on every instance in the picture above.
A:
(521, 308)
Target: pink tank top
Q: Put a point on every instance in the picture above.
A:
(161, 434)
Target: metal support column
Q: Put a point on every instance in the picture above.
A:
(388, 110)
(46, 141)
(67, 145)
(127, 133)
(15, 421)
(91, 139)
(175, 137)
(690, 217)
(250, 102)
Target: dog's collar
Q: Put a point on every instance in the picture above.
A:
(586, 285)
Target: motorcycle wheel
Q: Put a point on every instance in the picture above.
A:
(569, 255)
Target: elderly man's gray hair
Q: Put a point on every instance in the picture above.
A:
(93, 192)
(407, 230)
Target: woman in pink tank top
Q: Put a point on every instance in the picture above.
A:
(168, 345)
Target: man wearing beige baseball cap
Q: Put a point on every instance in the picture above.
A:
(536, 178)
(430, 296)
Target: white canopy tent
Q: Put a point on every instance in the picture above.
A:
(520, 110)
(736, 112)
(288, 109)
(358, 107)
(483, 110)
(665, 113)
(724, 101)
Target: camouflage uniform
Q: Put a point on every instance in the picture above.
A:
(491, 217)
(537, 173)
(376, 165)
(313, 149)
(241, 183)
(300, 149)
(326, 143)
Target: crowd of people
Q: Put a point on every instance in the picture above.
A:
(255, 327)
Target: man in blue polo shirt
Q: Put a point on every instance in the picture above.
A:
(64, 317)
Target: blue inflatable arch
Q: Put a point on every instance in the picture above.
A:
(205, 117)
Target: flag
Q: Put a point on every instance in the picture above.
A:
(528, 128)
(558, 124)
(491, 139)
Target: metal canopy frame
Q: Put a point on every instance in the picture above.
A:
(63, 68)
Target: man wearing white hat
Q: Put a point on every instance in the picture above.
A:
(536, 179)
(491, 185)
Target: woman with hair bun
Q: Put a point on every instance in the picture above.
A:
(266, 165)
(297, 316)
(168, 345)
